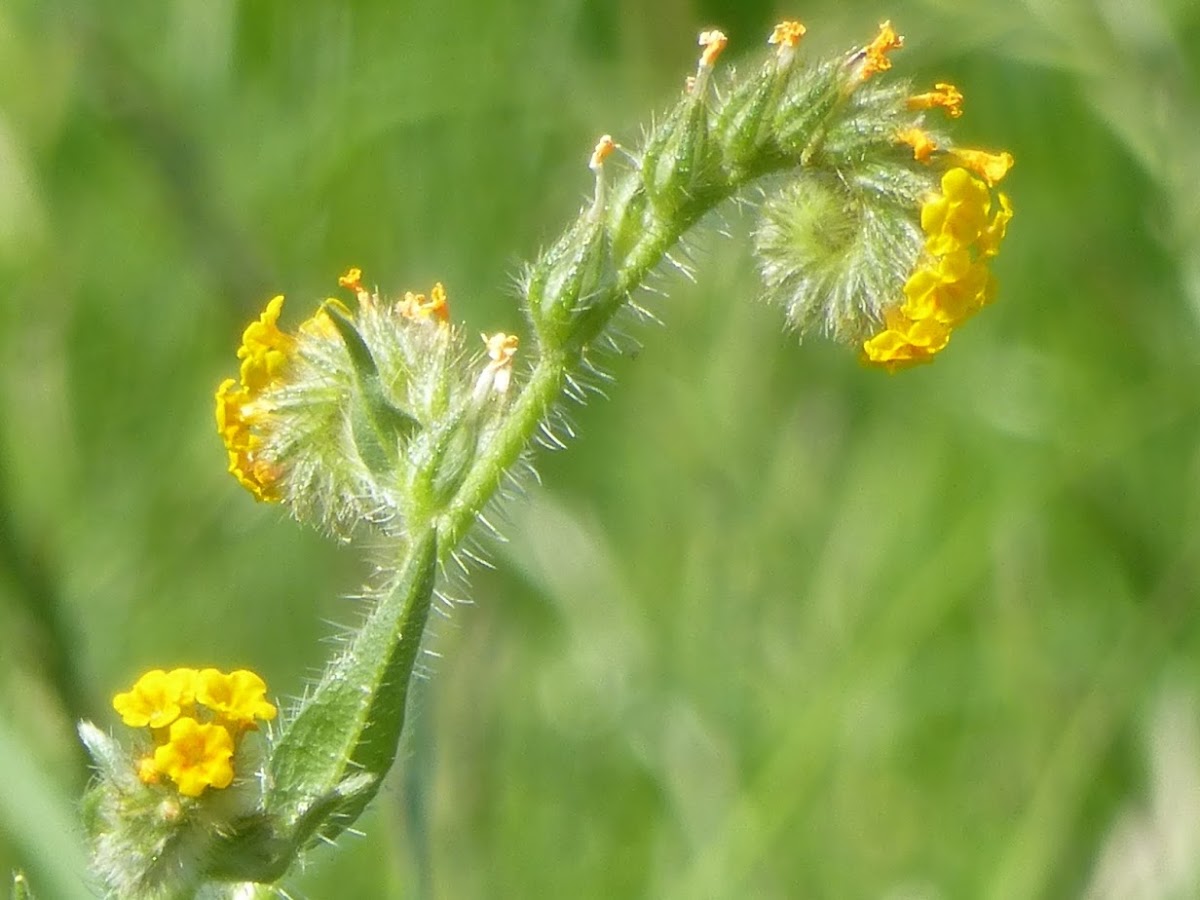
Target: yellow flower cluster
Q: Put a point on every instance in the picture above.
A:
(196, 717)
(264, 354)
(953, 282)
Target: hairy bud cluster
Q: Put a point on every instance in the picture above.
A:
(846, 241)
(371, 415)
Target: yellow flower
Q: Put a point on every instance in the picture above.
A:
(787, 34)
(713, 42)
(234, 421)
(989, 241)
(875, 54)
(238, 697)
(157, 699)
(147, 770)
(265, 352)
(604, 148)
(197, 756)
(920, 141)
(944, 95)
(265, 349)
(438, 306)
(950, 292)
(905, 342)
(991, 167)
(352, 279)
(956, 217)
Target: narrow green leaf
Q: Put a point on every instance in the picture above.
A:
(351, 725)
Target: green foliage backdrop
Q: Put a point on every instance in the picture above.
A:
(776, 626)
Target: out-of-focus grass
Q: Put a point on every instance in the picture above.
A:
(776, 626)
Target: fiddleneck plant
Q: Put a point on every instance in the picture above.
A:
(379, 420)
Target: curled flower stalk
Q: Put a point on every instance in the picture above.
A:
(378, 418)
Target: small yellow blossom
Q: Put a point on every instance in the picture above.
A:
(989, 241)
(906, 342)
(957, 216)
(604, 148)
(234, 420)
(352, 279)
(787, 34)
(157, 699)
(439, 306)
(237, 697)
(944, 95)
(875, 54)
(147, 770)
(265, 349)
(713, 42)
(920, 141)
(950, 292)
(991, 167)
(196, 756)
(419, 308)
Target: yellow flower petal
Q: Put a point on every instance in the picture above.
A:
(156, 700)
(238, 697)
(196, 756)
(991, 167)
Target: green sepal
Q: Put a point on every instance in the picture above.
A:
(679, 160)
(379, 427)
(744, 124)
(351, 724)
(802, 114)
(568, 276)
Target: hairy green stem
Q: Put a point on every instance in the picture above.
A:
(544, 387)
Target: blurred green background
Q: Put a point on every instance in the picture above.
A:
(776, 626)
